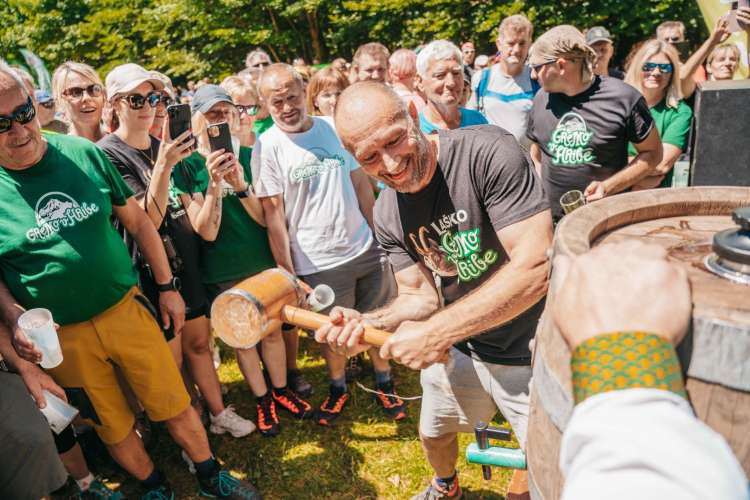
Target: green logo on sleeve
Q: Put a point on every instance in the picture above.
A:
(570, 141)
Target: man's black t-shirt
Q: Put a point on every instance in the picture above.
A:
(483, 182)
(135, 167)
(585, 137)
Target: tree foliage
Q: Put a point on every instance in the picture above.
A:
(196, 38)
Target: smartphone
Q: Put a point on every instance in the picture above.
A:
(179, 119)
(220, 138)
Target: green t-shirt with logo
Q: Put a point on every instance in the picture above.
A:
(58, 247)
(261, 126)
(241, 248)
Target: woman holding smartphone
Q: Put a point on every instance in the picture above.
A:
(216, 189)
(80, 91)
(146, 165)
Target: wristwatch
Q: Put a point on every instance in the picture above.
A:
(174, 285)
(246, 193)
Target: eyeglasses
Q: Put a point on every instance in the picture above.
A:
(22, 114)
(137, 101)
(249, 110)
(48, 104)
(537, 67)
(166, 100)
(648, 67)
(75, 93)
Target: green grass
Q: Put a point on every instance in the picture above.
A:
(364, 456)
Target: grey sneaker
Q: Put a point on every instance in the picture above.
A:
(435, 492)
(229, 421)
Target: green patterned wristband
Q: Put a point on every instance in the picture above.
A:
(625, 360)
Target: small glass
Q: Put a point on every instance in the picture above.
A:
(572, 200)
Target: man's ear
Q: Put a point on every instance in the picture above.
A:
(413, 112)
(418, 83)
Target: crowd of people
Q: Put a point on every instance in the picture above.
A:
(127, 234)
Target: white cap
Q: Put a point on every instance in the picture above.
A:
(126, 77)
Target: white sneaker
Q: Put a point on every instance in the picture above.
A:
(229, 421)
(190, 464)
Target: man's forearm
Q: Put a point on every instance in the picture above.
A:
(278, 236)
(643, 165)
(151, 247)
(405, 307)
(9, 307)
(508, 293)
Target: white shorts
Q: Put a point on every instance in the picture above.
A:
(464, 391)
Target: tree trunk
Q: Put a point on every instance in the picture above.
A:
(312, 22)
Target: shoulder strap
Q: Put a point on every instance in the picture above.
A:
(482, 89)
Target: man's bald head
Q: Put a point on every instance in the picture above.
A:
(277, 76)
(365, 105)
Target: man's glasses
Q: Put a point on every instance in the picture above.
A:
(22, 114)
(648, 67)
(248, 110)
(137, 101)
(537, 67)
(75, 93)
(48, 104)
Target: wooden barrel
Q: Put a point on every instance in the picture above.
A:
(684, 221)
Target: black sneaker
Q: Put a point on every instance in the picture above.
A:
(268, 420)
(332, 406)
(287, 399)
(163, 492)
(298, 383)
(392, 405)
(223, 485)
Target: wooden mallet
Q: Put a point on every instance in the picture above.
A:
(243, 315)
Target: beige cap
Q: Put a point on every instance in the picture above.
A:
(561, 41)
(168, 87)
(126, 77)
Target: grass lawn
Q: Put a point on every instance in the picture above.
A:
(363, 456)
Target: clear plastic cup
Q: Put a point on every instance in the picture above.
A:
(572, 200)
(39, 327)
(321, 297)
(58, 413)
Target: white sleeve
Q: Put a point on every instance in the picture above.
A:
(475, 79)
(646, 444)
(267, 175)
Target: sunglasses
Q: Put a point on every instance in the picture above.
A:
(248, 110)
(137, 101)
(22, 114)
(48, 104)
(537, 67)
(166, 100)
(93, 90)
(648, 67)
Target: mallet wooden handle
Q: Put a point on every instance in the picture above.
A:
(312, 321)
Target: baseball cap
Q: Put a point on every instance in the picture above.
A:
(206, 96)
(42, 96)
(126, 77)
(598, 34)
(168, 87)
(561, 41)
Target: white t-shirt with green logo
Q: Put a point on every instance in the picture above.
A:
(312, 171)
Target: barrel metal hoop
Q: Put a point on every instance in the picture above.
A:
(725, 353)
(252, 299)
(301, 295)
(556, 401)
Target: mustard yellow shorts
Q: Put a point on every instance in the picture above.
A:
(126, 335)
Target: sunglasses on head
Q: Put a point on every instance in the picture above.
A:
(22, 114)
(137, 101)
(648, 67)
(93, 90)
(248, 110)
(48, 104)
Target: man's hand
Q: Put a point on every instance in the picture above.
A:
(344, 332)
(743, 18)
(36, 381)
(412, 346)
(627, 286)
(25, 348)
(172, 309)
(595, 191)
(721, 31)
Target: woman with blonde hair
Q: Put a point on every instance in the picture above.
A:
(723, 61)
(216, 190)
(324, 89)
(80, 91)
(655, 71)
(246, 100)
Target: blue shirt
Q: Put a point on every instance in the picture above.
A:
(469, 117)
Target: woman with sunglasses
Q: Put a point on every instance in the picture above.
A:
(168, 96)
(146, 165)
(654, 72)
(80, 92)
(216, 188)
(246, 100)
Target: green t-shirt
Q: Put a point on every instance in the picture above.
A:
(261, 126)
(241, 248)
(58, 248)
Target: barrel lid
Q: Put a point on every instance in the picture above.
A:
(734, 244)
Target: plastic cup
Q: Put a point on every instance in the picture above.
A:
(572, 200)
(321, 297)
(37, 324)
(58, 413)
